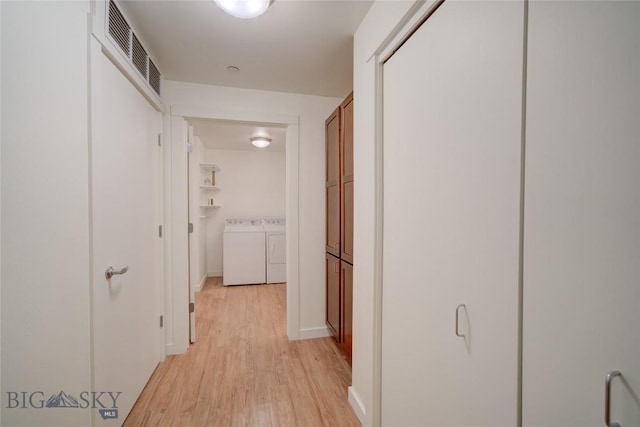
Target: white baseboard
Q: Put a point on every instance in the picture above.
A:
(198, 287)
(173, 349)
(356, 404)
(214, 274)
(310, 333)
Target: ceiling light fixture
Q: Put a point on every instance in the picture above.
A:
(260, 141)
(245, 9)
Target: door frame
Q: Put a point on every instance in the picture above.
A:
(176, 292)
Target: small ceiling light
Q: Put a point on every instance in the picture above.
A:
(233, 69)
(260, 141)
(245, 9)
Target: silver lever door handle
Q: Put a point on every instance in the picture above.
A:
(110, 271)
(457, 316)
(607, 399)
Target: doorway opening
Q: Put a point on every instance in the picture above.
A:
(231, 181)
(178, 293)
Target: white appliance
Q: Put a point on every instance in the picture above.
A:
(276, 248)
(243, 252)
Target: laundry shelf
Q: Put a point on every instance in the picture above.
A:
(209, 167)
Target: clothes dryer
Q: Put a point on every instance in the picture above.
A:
(276, 250)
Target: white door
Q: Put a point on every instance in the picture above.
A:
(125, 217)
(582, 214)
(193, 208)
(452, 145)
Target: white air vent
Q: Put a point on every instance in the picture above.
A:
(126, 39)
(118, 28)
(154, 77)
(139, 56)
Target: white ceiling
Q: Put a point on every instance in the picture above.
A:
(235, 135)
(299, 46)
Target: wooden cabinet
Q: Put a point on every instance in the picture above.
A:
(339, 227)
(346, 217)
(346, 280)
(333, 295)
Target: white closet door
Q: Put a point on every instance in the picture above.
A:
(452, 138)
(582, 214)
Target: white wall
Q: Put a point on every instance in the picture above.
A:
(252, 185)
(45, 207)
(374, 29)
(312, 112)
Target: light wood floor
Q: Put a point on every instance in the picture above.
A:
(243, 371)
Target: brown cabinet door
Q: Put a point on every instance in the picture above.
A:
(332, 141)
(347, 308)
(333, 295)
(346, 237)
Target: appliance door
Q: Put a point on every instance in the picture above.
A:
(276, 258)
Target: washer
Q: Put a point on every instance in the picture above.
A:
(243, 252)
(276, 250)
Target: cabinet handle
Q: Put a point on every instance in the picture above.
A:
(458, 334)
(607, 398)
(336, 267)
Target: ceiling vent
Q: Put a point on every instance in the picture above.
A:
(126, 39)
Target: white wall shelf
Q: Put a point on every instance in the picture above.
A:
(209, 167)
(210, 206)
(209, 187)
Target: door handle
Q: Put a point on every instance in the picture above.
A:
(607, 398)
(110, 271)
(458, 334)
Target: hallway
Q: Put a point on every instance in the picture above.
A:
(243, 370)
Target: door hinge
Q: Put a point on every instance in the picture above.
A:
(159, 231)
(190, 227)
(161, 321)
(192, 307)
(159, 140)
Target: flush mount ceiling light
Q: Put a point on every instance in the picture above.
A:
(260, 141)
(245, 9)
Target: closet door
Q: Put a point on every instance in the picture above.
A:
(452, 139)
(332, 266)
(346, 219)
(582, 214)
(332, 147)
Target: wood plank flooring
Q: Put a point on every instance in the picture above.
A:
(243, 370)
